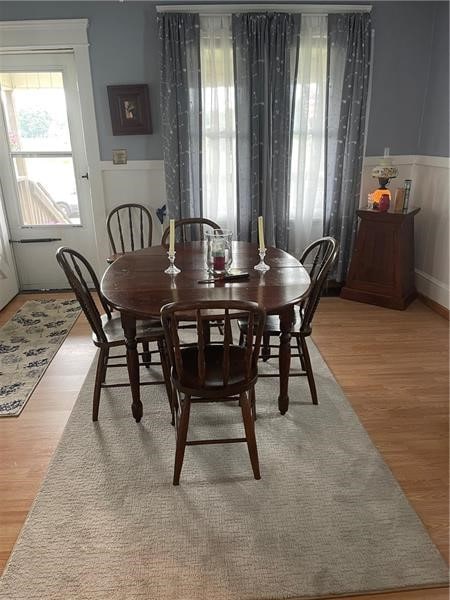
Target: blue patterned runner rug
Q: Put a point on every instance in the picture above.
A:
(28, 342)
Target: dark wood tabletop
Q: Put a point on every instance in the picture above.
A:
(136, 282)
(136, 285)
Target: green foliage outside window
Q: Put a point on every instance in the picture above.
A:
(35, 123)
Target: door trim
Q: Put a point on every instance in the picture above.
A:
(69, 34)
(43, 34)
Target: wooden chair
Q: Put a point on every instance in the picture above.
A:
(190, 230)
(208, 371)
(318, 258)
(129, 228)
(107, 329)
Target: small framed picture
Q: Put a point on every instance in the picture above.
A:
(120, 157)
(130, 109)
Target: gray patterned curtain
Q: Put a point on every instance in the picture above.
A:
(263, 82)
(349, 41)
(181, 112)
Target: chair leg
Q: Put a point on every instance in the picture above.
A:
(253, 403)
(300, 353)
(182, 430)
(249, 426)
(99, 379)
(166, 375)
(207, 333)
(105, 364)
(265, 350)
(308, 369)
(146, 354)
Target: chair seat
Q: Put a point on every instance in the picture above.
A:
(145, 330)
(214, 354)
(272, 324)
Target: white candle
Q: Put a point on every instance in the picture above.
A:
(171, 236)
(261, 233)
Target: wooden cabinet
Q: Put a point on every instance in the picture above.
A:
(382, 266)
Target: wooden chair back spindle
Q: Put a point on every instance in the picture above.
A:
(225, 310)
(201, 363)
(227, 342)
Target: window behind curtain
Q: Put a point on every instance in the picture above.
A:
(218, 121)
(308, 141)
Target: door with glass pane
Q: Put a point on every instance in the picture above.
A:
(43, 165)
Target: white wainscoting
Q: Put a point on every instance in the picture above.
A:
(429, 191)
(140, 181)
(143, 181)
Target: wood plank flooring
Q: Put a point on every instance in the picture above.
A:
(392, 365)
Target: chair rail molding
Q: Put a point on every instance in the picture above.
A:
(68, 35)
(133, 165)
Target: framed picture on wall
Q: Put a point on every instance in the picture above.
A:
(130, 109)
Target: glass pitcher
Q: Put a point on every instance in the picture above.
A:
(219, 255)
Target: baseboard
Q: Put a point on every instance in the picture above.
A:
(432, 288)
(435, 306)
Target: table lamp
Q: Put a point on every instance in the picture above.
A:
(384, 171)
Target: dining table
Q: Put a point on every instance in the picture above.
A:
(136, 285)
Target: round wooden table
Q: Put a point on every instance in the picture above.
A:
(135, 284)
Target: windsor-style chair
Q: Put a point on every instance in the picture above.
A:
(129, 228)
(217, 371)
(318, 259)
(107, 331)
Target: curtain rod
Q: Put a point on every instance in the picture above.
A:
(223, 9)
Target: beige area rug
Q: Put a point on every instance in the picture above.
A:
(28, 342)
(326, 518)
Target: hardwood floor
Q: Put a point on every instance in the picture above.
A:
(392, 365)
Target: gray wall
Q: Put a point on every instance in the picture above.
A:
(434, 133)
(123, 49)
(409, 109)
(410, 77)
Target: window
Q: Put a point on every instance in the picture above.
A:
(39, 140)
(219, 133)
(218, 121)
(308, 138)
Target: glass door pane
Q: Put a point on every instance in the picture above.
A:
(47, 191)
(38, 131)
